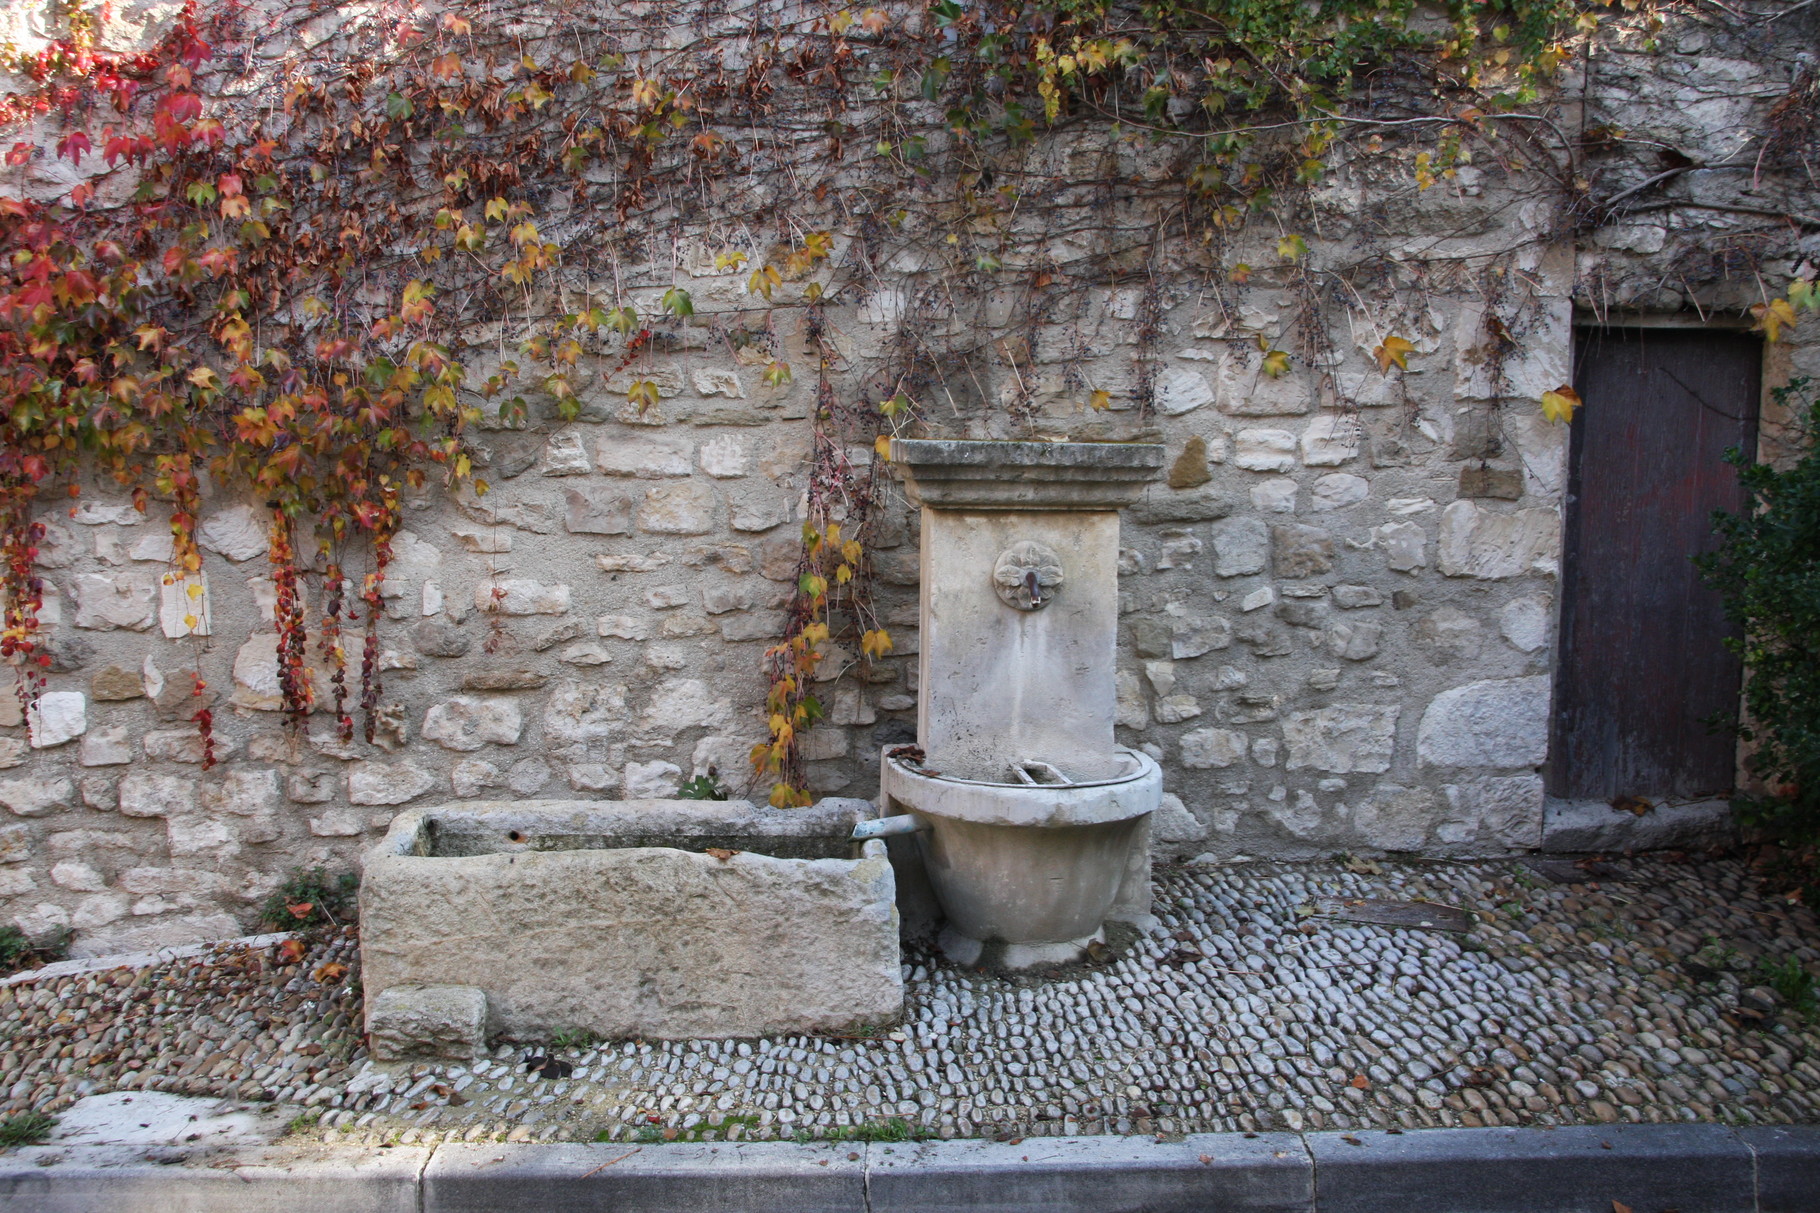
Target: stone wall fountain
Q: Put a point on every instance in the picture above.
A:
(1031, 820)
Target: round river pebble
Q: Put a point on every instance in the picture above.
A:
(1616, 1000)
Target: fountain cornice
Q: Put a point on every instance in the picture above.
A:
(965, 474)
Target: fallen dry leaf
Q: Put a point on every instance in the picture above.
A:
(721, 853)
(1361, 1082)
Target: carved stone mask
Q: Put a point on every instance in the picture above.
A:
(1027, 575)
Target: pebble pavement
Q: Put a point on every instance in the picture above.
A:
(1631, 998)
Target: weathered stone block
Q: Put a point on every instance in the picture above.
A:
(596, 510)
(654, 780)
(1450, 635)
(1302, 550)
(387, 782)
(57, 718)
(1501, 722)
(643, 458)
(409, 1021)
(1353, 640)
(1353, 597)
(238, 533)
(724, 457)
(1405, 545)
(36, 797)
(125, 600)
(1476, 542)
(1525, 622)
(1241, 546)
(1173, 709)
(113, 684)
(1339, 491)
(564, 455)
(466, 723)
(244, 793)
(434, 638)
(1264, 450)
(145, 794)
(521, 596)
(1331, 439)
(1342, 738)
(1505, 484)
(1245, 391)
(685, 508)
(1133, 710)
(1206, 748)
(1505, 809)
(1190, 467)
(107, 747)
(1394, 818)
(1181, 390)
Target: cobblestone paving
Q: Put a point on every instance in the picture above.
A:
(1631, 999)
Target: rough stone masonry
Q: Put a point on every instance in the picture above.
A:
(1338, 614)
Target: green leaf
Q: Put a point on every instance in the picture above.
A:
(397, 105)
(676, 301)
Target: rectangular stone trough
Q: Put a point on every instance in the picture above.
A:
(644, 918)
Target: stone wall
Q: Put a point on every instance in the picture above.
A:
(1338, 614)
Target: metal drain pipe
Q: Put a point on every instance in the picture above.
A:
(886, 827)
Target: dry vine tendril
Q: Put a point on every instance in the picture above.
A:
(316, 300)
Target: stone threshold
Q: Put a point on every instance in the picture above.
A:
(1594, 1169)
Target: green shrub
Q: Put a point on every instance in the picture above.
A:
(17, 951)
(702, 787)
(310, 898)
(1768, 570)
(1793, 984)
(25, 1128)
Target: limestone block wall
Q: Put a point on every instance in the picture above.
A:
(1337, 615)
(1336, 633)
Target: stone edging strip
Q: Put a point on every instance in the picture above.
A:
(1580, 1169)
(139, 960)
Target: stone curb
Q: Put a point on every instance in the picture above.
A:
(1582, 1169)
(139, 960)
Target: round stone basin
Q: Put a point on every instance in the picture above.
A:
(1025, 872)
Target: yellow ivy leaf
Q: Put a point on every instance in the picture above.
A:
(1559, 405)
(643, 394)
(1276, 363)
(843, 574)
(1100, 399)
(1292, 247)
(1772, 316)
(1395, 349)
(875, 643)
(882, 446)
(850, 551)
(783, 796)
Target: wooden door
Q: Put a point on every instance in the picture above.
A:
(1642, 666)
